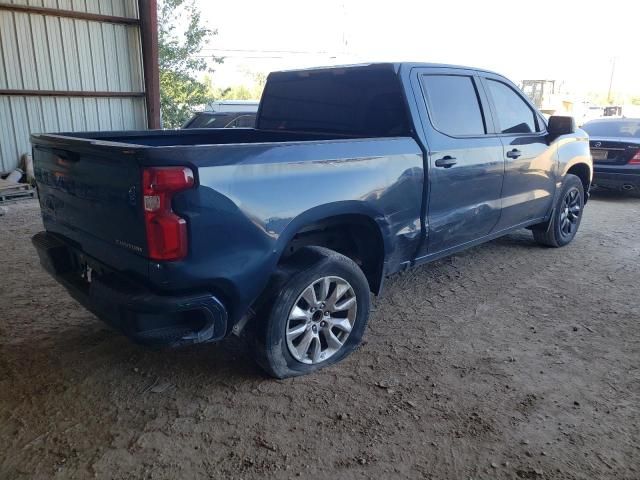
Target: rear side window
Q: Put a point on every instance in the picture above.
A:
(513, 114)
(453, 104)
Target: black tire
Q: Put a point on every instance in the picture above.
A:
(566, 217)
(311, 264)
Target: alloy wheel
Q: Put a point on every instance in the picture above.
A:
(570, 212)
(321, 320)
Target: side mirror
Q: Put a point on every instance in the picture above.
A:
(561, 125)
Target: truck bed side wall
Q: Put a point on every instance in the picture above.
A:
(252, 199)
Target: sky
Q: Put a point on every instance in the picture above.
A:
(566, 40)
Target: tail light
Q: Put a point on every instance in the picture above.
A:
(166, 231)
(636, 158)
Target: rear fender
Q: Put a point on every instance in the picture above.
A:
(322, 212)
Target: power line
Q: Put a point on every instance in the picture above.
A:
(241, 50)
(237, 56)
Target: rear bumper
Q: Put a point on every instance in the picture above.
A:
(130, 307)
(627, 181)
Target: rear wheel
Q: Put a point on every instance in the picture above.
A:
(567, 215)
(316, 317)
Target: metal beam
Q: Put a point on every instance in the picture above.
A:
(149, 34)
(54, 12)
(67, 93)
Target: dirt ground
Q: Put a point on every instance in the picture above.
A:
(507, 361)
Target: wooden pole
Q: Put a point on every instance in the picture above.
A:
(613, 69)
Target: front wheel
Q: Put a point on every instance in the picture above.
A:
(567, 215)
(316, 317)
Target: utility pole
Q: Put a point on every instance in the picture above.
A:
(613, 68)
(344, 42)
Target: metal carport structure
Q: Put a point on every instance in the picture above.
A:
(68, 65)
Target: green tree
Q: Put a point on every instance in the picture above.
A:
(259, 81)
(237, 92)
(181, 38)
(245, 91)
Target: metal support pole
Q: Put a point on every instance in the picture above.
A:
(148, 11)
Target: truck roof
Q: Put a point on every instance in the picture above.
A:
(395, 66)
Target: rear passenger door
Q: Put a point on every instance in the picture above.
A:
(466, 164)
(530, 168)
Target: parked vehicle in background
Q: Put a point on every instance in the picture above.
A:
(586, 112)
(612, 111)
(282, 231)
(225, 114)
(615, 148)
(548, 97)
(221, 120)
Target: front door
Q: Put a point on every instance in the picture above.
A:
(466, 164)
(529, 180)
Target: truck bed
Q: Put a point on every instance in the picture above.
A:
(90, 185)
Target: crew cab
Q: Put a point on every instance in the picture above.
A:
(281, 232)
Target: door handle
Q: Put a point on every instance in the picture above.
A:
(515, 153)
(446, 162)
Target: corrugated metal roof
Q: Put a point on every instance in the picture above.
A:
(44, 52)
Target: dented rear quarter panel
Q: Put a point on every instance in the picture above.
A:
(251, 200)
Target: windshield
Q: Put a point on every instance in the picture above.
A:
(614, 128)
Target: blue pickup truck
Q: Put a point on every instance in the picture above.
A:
(282, 232)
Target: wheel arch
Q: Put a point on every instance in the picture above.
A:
(584, 172)
(350, 228)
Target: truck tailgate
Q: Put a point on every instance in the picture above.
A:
(89, 197)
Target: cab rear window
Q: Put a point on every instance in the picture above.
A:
(350, 101)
